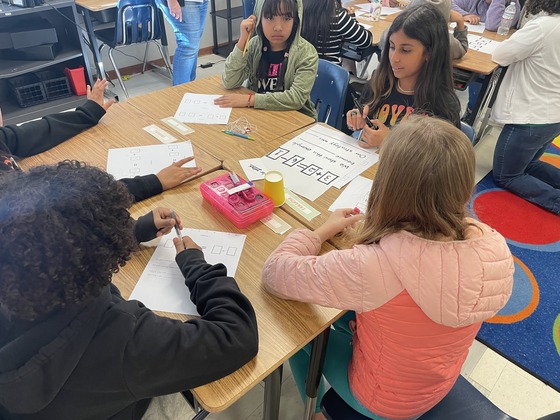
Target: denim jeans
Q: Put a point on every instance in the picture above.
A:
(518, 168)
(188, 34)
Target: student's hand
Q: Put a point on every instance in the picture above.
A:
(246, 28)
(458, 19)
(95, 94)
(164, 221)
(175, 9)
(472, 19)
(1, 121)
(372, 137)
(188, 243)
(233, 100)
(173, 175)
(337, 222)
(354, 120)
(394, 3)
(351, 10)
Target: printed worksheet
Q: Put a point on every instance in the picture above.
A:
(129, 162)
(482, 44)
(319, 158)
(161, 286)
(479, 28)
(355, 194)
(200, 109)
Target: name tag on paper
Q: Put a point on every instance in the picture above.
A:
(160, 134)
(177, 126)
(276, 224)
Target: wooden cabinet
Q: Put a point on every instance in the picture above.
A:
(61, 15)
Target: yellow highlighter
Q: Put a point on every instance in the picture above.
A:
(247, 43)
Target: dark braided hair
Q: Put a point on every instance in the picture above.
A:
(65, 230)
(534, 7)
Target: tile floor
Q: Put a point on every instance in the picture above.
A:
(512, 389)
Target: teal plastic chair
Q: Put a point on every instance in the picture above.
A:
(329, 92)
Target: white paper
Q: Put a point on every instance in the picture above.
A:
(129, 162)
(355, 194)
(200, 109)
(161, 286)
(476, 28)
(319, 158)
(254, 169)
(385, 11)
(482, 44)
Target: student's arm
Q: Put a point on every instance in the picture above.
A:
(37, 136)
(352, 31)
(461, 6)
(459, 43)
(165, 356)
(238, 64)
(298, 93)
(520, 45)
(495, 12)
(348, 279)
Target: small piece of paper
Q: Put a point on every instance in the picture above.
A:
(177, 126)
(355, 194)
(300, 206)
(254, 168)
(276, 224)
(160, 134)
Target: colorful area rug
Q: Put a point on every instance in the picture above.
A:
(527, 330)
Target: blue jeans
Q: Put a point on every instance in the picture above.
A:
(335, 369)
(188, 34)
(518, 168)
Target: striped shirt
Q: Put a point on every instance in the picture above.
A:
(344, 28)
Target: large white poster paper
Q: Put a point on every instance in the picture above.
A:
(319, 158)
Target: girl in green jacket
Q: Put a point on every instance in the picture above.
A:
(279, 65)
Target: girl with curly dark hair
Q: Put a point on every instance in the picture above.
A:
(527, 105)
(69, 343)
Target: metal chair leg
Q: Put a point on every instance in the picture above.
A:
(165, 60)
(145, 57)
(117, 71)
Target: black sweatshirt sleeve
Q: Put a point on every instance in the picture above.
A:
(37, 136)
(142, 187)
(165, 356)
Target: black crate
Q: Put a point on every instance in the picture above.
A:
(55, 83)
(28, 90)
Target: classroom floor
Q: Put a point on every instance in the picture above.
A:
(509, 387)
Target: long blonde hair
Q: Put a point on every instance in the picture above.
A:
(423, 184)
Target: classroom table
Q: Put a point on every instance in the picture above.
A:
(269, 124)
(120, 127)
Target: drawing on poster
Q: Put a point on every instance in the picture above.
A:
(200, 109)
(319, 158)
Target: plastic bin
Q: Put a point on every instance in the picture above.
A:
(28, 90)
(77, 80)
(55, 84)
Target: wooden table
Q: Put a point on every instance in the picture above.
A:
(270, 124)
(120, 127)
(284, 326)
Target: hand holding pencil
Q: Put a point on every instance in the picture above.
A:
(246, 29)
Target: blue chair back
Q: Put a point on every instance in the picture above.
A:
(329, 92)
(468, 130)
(137, 21)
(248, 8)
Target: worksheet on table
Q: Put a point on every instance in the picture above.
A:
(161, 286)
(129, 162)
(200, 109)
(319, 158)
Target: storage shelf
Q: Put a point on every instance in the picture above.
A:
(13, 114)
(11, 68)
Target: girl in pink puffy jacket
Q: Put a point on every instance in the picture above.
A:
(421, 276)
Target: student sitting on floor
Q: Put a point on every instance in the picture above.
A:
(413, 76)
(278, 64)
(421, 276)
(38, 136)
(70, 345)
